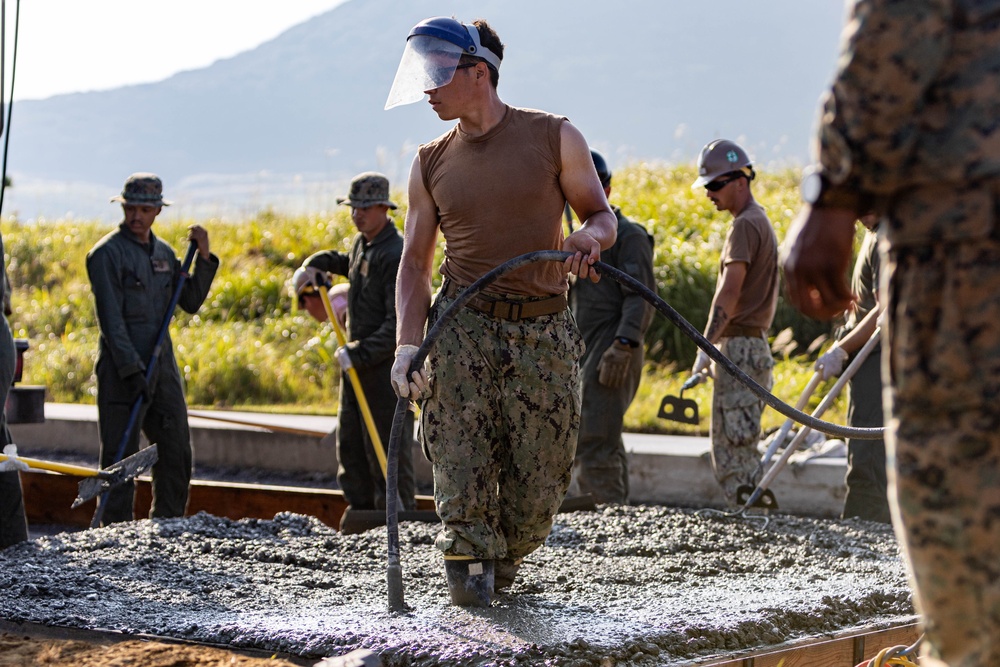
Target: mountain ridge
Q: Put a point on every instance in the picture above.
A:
(285, 125)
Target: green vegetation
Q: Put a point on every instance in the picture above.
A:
(249, 348)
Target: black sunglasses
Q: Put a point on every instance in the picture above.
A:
(717, 185)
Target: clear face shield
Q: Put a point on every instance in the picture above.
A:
(427, 63)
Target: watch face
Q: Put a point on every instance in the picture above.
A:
(812, 187)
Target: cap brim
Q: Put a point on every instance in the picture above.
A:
(345, 201)
(120, 199)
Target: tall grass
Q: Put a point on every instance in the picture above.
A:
(248, 347)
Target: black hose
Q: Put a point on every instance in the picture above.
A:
(394, 572)
(5, 126)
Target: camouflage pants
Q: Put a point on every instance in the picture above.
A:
(736, 414)
(500, 429)
(943, 440)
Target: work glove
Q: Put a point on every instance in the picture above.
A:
(316, 277)
(137, 387)
(12, 462)
(343, 358)
(612, 369)
(831, 363)
(703, 365)
(416, 386)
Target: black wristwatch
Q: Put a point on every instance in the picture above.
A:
(818, 192)
(622, 340)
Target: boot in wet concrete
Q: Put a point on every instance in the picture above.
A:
(505, 570)
(470, 581)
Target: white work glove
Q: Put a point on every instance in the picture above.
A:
(703, 365)
(12, 462)
(343, 358)
(416, 386)
(831, 364)
(315, 277)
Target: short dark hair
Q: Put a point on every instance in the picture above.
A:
(490, 40)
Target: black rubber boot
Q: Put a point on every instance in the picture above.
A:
(504, 572)
(470, 581)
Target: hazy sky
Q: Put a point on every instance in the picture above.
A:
(78, 45)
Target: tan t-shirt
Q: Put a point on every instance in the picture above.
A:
(751, 239)
(498, 197)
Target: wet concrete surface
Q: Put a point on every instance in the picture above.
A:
(619, 586)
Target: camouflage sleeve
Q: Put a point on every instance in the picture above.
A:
(891, 52)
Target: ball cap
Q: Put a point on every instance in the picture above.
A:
(368, 189)
(142, 189)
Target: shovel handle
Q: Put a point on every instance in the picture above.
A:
(359, 393)
(64, 468)
(782, 433)
(827, 401)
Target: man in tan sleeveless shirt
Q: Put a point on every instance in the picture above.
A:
(501, 389)
(746, 296)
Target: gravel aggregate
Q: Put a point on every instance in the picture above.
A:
(623, 585)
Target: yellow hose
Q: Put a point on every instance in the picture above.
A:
(355, 381)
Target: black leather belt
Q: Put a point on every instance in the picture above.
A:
(509, 310)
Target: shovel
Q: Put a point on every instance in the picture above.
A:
(680, 409)
(96, 482)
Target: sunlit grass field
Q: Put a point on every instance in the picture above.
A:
(249, 348)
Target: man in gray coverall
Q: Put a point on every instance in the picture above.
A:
(133, 275)
(613, 320)
(371, 268)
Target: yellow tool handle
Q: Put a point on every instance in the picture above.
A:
(355, 382)
(63, 468)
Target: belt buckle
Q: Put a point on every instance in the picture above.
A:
(504, 310)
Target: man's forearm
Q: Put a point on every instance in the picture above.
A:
(413, 300)
(718, 318)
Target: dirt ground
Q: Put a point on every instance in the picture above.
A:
(20, 651)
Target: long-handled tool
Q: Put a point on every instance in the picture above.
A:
(767, 499)
(95, 482)
(154, 357)
(680, 409)
(354, 520)
(755, 494)
(352, 374)
(779, 437)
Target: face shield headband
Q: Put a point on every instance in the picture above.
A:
(430, 62)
